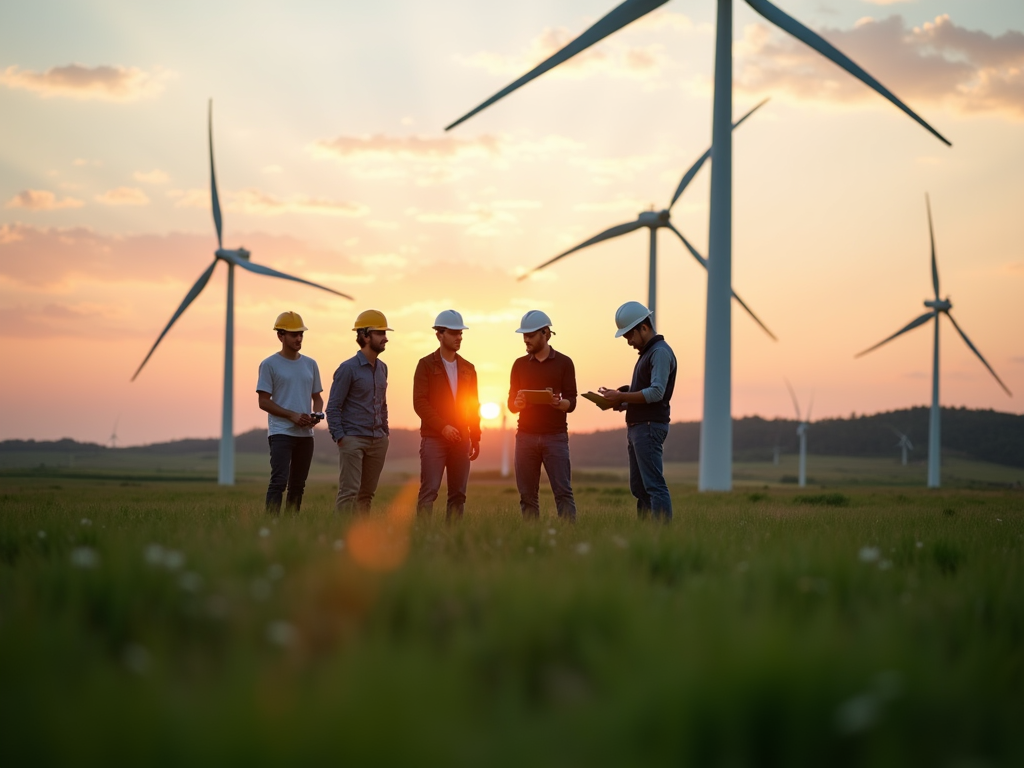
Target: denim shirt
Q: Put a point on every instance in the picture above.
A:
(358, 404)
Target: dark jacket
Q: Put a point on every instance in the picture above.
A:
(658, 411)
(433, 401)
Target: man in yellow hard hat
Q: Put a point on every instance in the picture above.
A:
(357, 414)
(445, 397)
(288, 381)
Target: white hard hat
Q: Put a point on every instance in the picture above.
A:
(629, 316)
(534, 320)
(451, 320)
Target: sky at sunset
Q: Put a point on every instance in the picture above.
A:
(333, 165)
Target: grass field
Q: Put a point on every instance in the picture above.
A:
(148, 623)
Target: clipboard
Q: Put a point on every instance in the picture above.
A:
(601, 402)
(538, 396)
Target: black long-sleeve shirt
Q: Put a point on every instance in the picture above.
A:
(555, 371)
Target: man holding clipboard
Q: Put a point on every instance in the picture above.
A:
(542, 390)
(646, 403)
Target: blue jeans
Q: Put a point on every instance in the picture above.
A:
(551, 451)
(438, 456)
(290, 458)
(646, 470)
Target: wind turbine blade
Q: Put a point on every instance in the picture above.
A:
(829, 51)
(616, 19)
(908, 327)
(189, 298)
(810, 408)
(792, 394)
(688, 176)
(931, 234)
(974, 349)
(704, 263)
(261, 270)
(213, 184)
(608, 234)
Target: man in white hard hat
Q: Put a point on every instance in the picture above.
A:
(445, 397)
(542, 437)
(357, 415)
(646, 403)
(288, 383)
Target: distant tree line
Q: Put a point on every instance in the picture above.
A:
(984, 435)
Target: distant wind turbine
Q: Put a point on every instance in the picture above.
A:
(238, 257)
(903, 444)
(716, 426)
(936, 308)
(801, 431)
(655, 221)
(113, 432)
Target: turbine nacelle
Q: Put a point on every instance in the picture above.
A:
(940, 305)
(653, 218)
(230, 255)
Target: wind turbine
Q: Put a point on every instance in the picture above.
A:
(655, 221)
(113, 432)
(904, 444)
(716, 426)
(238, 257)
(801, 431)
(936, 308)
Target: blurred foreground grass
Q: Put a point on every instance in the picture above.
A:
(176, 624)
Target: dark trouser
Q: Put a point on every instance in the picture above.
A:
(290, 458)
(438, 456)
(551, 451)
(360, 462)
(646, 470)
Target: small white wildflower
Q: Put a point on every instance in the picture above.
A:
(264, 532)
(84, 557)
(275, 572)
(259, 589)
(884, 565)
(529, 550)
(619, 542)
(86, 521)
(339, 545)
(582, 548)
(919, 544)
(190, 582)
(551, 542)
(857, 714)
(173, 559)
(869, 554)
(136, 658)
(42, 534)
(154, 554)
(552, 531)
(280, 633)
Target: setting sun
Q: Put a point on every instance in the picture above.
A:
(490, 410)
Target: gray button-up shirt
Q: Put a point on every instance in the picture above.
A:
(358, 404)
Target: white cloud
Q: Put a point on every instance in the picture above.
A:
(106, 83)
(41, 200)
(156, 176)
(939, 63)
(123, 196)
(259, 203)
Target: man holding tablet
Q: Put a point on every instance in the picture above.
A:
(542, 390)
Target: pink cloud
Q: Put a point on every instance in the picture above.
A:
(41, 200)
(106, 83)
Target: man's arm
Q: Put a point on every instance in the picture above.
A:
(318, 403)
(569, 392)
(421, 398)
(516, 403)
(384, 405)
(339, 393)
(268, 405)
(473, 408)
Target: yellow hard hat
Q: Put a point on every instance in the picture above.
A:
(290, 321)
(372, 319)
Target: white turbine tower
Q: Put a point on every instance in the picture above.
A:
(904, 444)
(238, 257)
(113, 432)
(655, 221)
(936, 308)
(716, 426)
(801, 431)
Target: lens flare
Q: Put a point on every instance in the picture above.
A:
(490, 410)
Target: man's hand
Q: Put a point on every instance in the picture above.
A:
(474, 451)
(301, 419)
(451, 434)
(613, 396)
(520, 401)
(339, 441)
(559, 404)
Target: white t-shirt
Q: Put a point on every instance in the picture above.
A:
(291, 384)
(452, 369)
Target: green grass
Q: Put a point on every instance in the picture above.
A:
(179, 625)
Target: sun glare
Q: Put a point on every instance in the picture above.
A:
(490, 410)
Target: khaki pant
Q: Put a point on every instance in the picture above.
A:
(360, 462)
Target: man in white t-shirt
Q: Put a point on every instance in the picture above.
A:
(288, 382)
